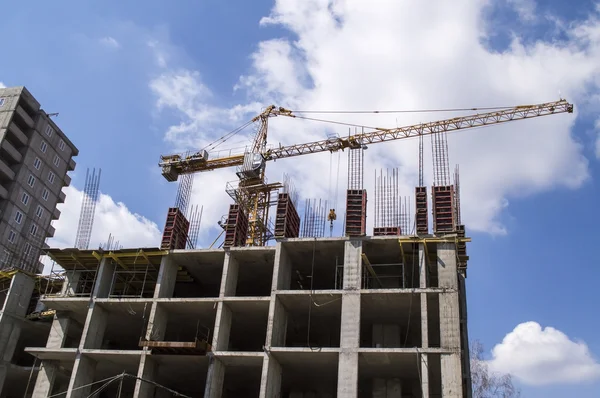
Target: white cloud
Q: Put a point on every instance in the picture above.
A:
(539, 356)
(110, 42)
(598, 139)
(350, 55)
(2, 85)
(129, 229)
(526, 9)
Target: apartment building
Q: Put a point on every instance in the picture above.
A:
(35, 158)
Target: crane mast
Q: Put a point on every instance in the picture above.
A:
(253, 192)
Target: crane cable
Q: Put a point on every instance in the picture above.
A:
(488, 108)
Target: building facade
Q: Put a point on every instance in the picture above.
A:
(35, 158)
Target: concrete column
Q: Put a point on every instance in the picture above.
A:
(58, 330)
(424, 322)
(147, 370)
(282, 271)
(449, 320)
(45, 380)
(222, 328)
(270, 384)
(69, 287)
(84, 370)
(167, 275)
(215, 378)
(157, 323)
(464, 333)
(94, 328)
(230, 276)
(422, 266)
(104, 278)
(425, 375)
(15, 308)
(350, 330)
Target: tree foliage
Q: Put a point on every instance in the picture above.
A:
(487, 384)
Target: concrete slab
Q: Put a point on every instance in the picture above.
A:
(240, 358)
(73, 304)
(62, 354)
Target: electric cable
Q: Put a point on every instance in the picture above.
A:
(487, 108)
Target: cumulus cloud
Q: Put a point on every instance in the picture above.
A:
(526, 9)
(350, 55)
(2, 85)
(539, 356)
(128, 228)
(110, 42)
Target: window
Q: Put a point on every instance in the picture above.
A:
(43, 146)
(45, 194)
(49, 131)
(39, 212)
(6, 257)
(18, 217)
(51, 177)
(25, 198)
(37, 163)
(33, 229)
(61, 145)
(31, 181)
(1, 101)
(56, 160)
(27, 249)
(11, 236)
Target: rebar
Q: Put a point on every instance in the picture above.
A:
(441, 165)
(88, 209)
(387, 200)
(315, 216)
(194, 230)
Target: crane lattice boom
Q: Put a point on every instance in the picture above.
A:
(174, 165)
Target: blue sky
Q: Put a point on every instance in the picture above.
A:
(122, 74)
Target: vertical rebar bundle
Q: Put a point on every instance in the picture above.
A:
(184, 191)
(421, 179)
(88, 209)
(290, 189)
(405, 216)
(441, 165)
(315, 215)
(387, 203)
(356, 157)
(457, 195)
(110, 244)
(194, 231)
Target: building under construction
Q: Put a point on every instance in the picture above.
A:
(279, 309)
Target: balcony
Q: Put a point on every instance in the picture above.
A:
(11, 151)
(61, 197)
(16, 131)
(50, 231)
(3, 192)
(26, 118)
(66, 181)
(4, 169)
(55, 214)
(71, 165)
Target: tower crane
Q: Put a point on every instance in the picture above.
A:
(253, 192)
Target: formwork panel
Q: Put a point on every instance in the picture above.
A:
(443, 209)
(236, 229)
(287, 220)
(356, 212)
(387, 231)
(421, 217)
(176, 230)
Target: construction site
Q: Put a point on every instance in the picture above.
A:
(277, 305)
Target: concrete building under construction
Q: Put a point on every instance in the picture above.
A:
(368, 317)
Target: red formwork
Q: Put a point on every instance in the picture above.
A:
(287, 220)
(421, 217)
(386, 231)
(176, 230)
(356, 212)
(443, 209)
(236, 229)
